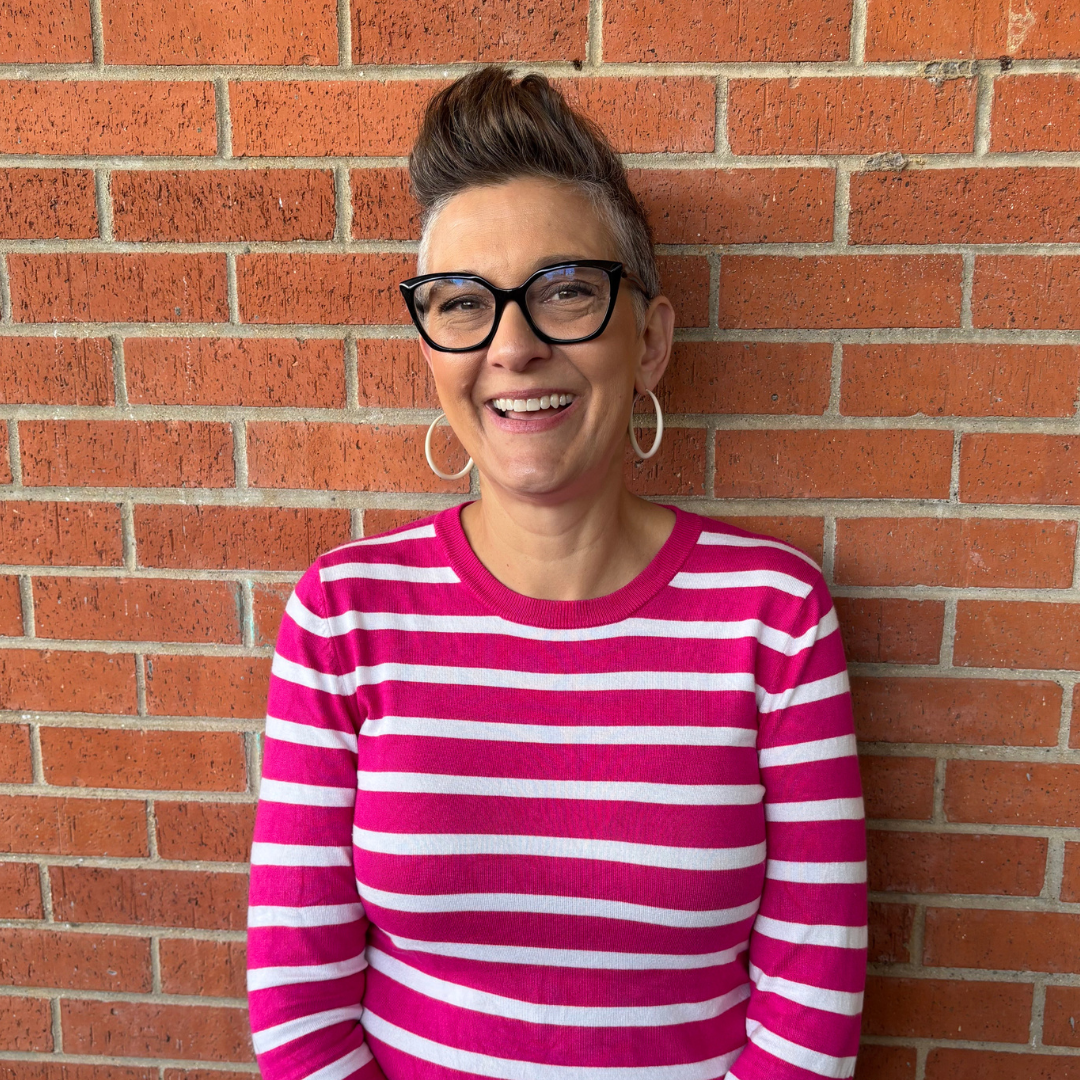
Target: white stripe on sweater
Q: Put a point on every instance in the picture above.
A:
(816, 810)
(272, 1037)
(535, 788)
(560, 847)
(303, 918)
(743, 579)
(802, 1057)
(817, 873)
(264, 854)
(308, 735)
(827, 934)
(466, 1061)
(814, 997)
(531, 1012)
(427, 575)
(344, 1066)
(265, 978)
(805, 752)
(729, 540)
(286, 791)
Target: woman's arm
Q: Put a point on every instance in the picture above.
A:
(306, 925)
(808, 945)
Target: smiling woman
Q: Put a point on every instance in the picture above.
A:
(561, 784)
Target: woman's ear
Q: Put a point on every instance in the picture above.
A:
(656, 338)
(425, 352)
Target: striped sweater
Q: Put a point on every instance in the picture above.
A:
(610, 839)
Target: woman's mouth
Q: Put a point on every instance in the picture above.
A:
(526, 407)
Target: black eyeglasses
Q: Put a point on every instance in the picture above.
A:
(563, 304)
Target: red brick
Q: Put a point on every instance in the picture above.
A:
(679, 470)
(20, 893)
(946, 1009)
(26, 1024)
(325, 289)
(348, 457)
(91, 117)
(737, 206)
(203, 968)
(956, 863)
(46, 825)
(1012, 793)
(136, 609)
(383, 206)
(966, 206)
(317, 119)
(1038, 292)
(890, 928)
(684, 279)
(135, 1029)
(233, 204)
(944, 1064)
(789, 378)
(393, 373)
(482, 31)
(74, 961)
(227, 537)
(1003, 940)
(959, 380)
(114, 453)
(846, 115)
(969, 29)
(67, 681)
(47, 204)
(241, 32)
(233, 686)
(1070, 885)
(805, 533)
(1036, 112)
(118, 288)
(896, 787)
(891, 630)
(269, 603)
(47, 1070)
(666, 115)
(1059, 1018)
(211, 832)
(978, 712)
(270, 372)
(839, 291)
(57, 34)
(1024, 634)
(154, 760)
(380, 521)
(61, 534)
(871, 464)
(885, 1063)
(193, 899)
(1020, 468)
(680, 30)
(55, 371)
(15, 766)
(959, 552)
(11, 624)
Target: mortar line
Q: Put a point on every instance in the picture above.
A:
(127, 536)
(151, 830)
(721, 143)
(921, 1054)
(57, 1025)
(842, 205)
(140, 684)
(836, 375)
(240, 462)
(828, 548)
(103, 203)
(14, 453)
(45, 885)
(155, 964)
(937, 815)
(119, 371)
(223, 117)
(352, 373)
(594, 44)
(97, 36)
(37, 765)
(26, 602)
(187, 1067)
(967, 288)
(6, 312)
(247, 612)
(710, 458)
(948, 634)
(1054, 875)
(984, 103)
(232, 289)
(343, 204)
(918, 935)
(1038, 1010)
(954, 467)
(344, 34)
(716, 268)
(356, 524)
(1068, 699)
(858, 33)
(254, 757)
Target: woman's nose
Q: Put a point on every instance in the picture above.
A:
(514, 344)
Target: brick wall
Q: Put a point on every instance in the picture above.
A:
(868, 214)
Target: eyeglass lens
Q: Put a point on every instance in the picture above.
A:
(567, 304)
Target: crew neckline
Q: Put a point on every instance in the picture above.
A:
(566, 614)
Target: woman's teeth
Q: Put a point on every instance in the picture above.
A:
(520, 405)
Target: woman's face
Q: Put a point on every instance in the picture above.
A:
(505, 234)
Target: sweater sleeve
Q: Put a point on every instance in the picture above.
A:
(306, 925)
(808, 943)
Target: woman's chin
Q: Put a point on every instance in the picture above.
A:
(543, 479)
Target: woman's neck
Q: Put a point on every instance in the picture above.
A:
(575, 549)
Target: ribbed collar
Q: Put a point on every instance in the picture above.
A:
(566, 614)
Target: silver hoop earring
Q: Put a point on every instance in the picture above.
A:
(659, 429)
(427, 453)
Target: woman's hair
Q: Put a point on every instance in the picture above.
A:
(485, 129)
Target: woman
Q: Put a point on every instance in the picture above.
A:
(561, 784)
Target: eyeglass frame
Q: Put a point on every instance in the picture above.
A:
(615, 271)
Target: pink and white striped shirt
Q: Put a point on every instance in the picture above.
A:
(613, 839)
